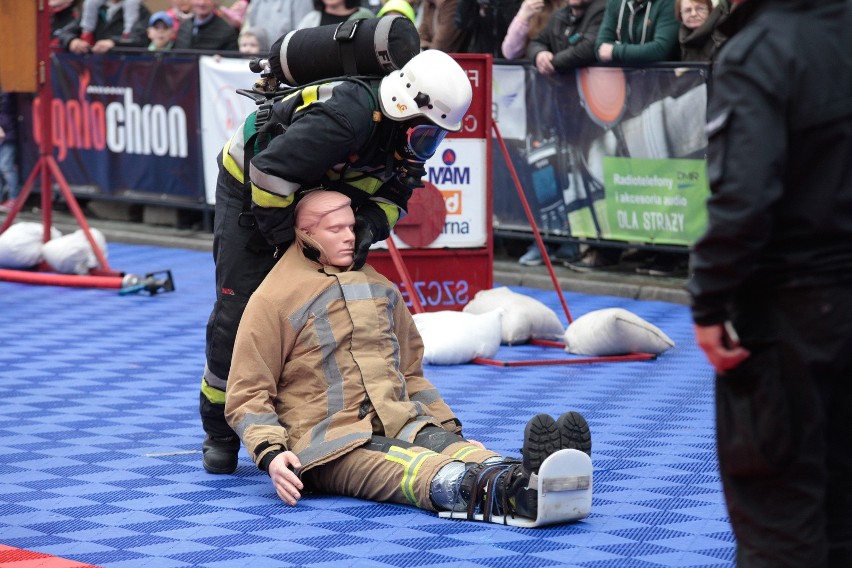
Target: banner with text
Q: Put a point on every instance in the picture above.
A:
(124, 127)
(605, 153)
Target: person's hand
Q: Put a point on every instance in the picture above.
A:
(530, 8)
(364, 235)
(479, 445)
(78, 46)
(2, 134)
(103, 45)
(287, 484)
(544, 62)
(605, 51)
(723, 352)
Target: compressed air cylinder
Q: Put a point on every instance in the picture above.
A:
(374, 46)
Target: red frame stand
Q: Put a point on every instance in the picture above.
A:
(399, 264)
(48, 170)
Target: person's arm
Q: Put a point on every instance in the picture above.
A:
(541, 42)
(606, 33)
(67, 34)
(260, 350)
(581, 46)
(747, 151)
(319, 137)
(517, 36)
(664, 44)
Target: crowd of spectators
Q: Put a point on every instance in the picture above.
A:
(556, 36)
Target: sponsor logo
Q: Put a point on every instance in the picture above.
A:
(453, 201)
(122, 126)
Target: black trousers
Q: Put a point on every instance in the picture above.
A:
(784, 429)
(243, 259)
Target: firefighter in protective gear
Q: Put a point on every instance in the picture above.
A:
(327, 390)
(369, 141)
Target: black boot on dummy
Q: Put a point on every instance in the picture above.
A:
(220, 454)
(575, 433)
(498, 490)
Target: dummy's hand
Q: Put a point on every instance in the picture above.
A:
(364, 234)
(287, 484)
(544, 62)
(712, 339)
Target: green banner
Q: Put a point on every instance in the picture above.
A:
(657, 201)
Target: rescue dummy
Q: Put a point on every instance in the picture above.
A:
(368, 139)
(327, 393)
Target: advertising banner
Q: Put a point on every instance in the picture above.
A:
(125, 127)
(607, 153)
(223, 110)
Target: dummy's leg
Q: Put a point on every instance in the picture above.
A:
(240, 268)
(551, 484)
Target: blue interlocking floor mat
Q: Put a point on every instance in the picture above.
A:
(100, 445)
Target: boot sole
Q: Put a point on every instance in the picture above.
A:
(574, 432)
(541, 438)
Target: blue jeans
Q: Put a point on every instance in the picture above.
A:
(9, 169)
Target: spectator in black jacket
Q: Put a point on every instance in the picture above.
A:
(776, 264)
(568, 39)
(487, 22)
(206, 30)
(108, 32)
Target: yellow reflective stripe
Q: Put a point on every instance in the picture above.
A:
(367, 184)
(212, 394)
(410, 462)
(464, 452)
(263, 198)
(309, 97)
(391, 212)
(230, 164)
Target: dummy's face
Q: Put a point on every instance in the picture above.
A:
(336, 234)
(160, 34)
(693, 14)
(249, 44)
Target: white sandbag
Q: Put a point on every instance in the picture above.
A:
(453, 338)
(524, 318)
(72, 254)
(614, 331)
(20, 245)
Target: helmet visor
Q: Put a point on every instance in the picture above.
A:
(423, 140)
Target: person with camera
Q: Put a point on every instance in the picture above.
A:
(367, 141)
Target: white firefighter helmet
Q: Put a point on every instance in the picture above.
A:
(431, 85)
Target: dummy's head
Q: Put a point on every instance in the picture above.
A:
(325, 221)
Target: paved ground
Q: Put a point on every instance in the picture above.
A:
(621, 282)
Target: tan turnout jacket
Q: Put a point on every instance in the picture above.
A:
(324, 358)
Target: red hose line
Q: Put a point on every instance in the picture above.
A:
(54, 279)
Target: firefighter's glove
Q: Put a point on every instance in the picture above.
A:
(410, 174)
(363, 239)
(371, 225)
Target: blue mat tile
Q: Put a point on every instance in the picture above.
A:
(100, 458)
